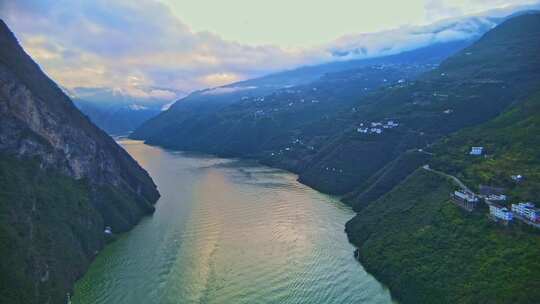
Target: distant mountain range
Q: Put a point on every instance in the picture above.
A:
(115, 112)
(119, 114)
(119, 118)
(256, 94)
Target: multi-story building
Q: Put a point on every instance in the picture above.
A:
(465, 199)
(500, 213)
(527, 210)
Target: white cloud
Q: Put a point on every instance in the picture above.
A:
(223, 90)
(141, 49)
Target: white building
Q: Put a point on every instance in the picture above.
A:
(517, 178)
(465, 199)
(477, 150)
(527, 210)
(392, 124)
(362, 130)
(465, 196)
(496, 198)
(500, 212)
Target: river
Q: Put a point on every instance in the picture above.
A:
(229, 231)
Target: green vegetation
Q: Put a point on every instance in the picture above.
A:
(51, 219)
(512, 142)
(51, 227)
(427, 250)
(41, 214)
(386, 179)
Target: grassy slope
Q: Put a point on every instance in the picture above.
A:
(429, 251)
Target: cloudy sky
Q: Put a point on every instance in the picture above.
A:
(165, 48)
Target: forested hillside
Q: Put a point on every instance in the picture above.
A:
(62, 181)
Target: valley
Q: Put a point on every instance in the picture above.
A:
(400, 166)
(366, 141)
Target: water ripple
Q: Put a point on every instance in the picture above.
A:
(227, 231)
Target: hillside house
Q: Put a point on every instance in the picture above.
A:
(517, 178)
(392, 124)
(362, 130)
(496, 198)
(492, 194)
(476, 151)
(499, 212)
(527, 210)
(465, 199)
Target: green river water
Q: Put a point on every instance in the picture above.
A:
(229, 231)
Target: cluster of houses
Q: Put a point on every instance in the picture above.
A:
(376, 127)
(296, 143)
(526, 212)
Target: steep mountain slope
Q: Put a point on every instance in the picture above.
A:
(511, 141)
(426, 249)
(429, 251)
(62, 181)
(255, 125)
(208, 103)
(470, 87)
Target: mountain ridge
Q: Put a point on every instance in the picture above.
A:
(63, 181)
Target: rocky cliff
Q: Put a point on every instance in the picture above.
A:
(62, 181)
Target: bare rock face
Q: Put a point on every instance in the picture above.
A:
(40, 124)
(38, 119)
